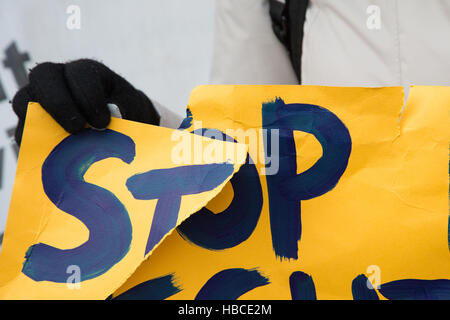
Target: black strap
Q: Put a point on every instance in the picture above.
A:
(279, 21)
(287, 24)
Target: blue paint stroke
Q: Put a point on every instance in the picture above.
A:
(413, 289)
(230, 284)
(106, 218)
(155, 289)
(168, 185)
(287, 188)
(233, 225)
(361, 290)
(187, 122)
(302, 286)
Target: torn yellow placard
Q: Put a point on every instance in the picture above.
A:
(378, 206)
(87, 209)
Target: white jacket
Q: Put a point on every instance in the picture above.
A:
(345, 43)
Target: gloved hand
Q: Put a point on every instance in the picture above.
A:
(78, 92)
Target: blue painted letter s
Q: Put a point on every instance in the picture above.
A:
(101, 212)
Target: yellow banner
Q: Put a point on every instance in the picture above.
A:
(343, 195)
(87, 209)
(355, 208)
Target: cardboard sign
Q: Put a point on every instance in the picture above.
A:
(343, 195)
(355, 208)
(87, 209)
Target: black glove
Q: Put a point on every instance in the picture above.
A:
(78, 92)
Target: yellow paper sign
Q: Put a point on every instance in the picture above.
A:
(345, 197)
(88, 208)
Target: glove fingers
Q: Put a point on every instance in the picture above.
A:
(85, 84)
(21, 100)
(133, 104)
(48, 86)
(20, 106)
